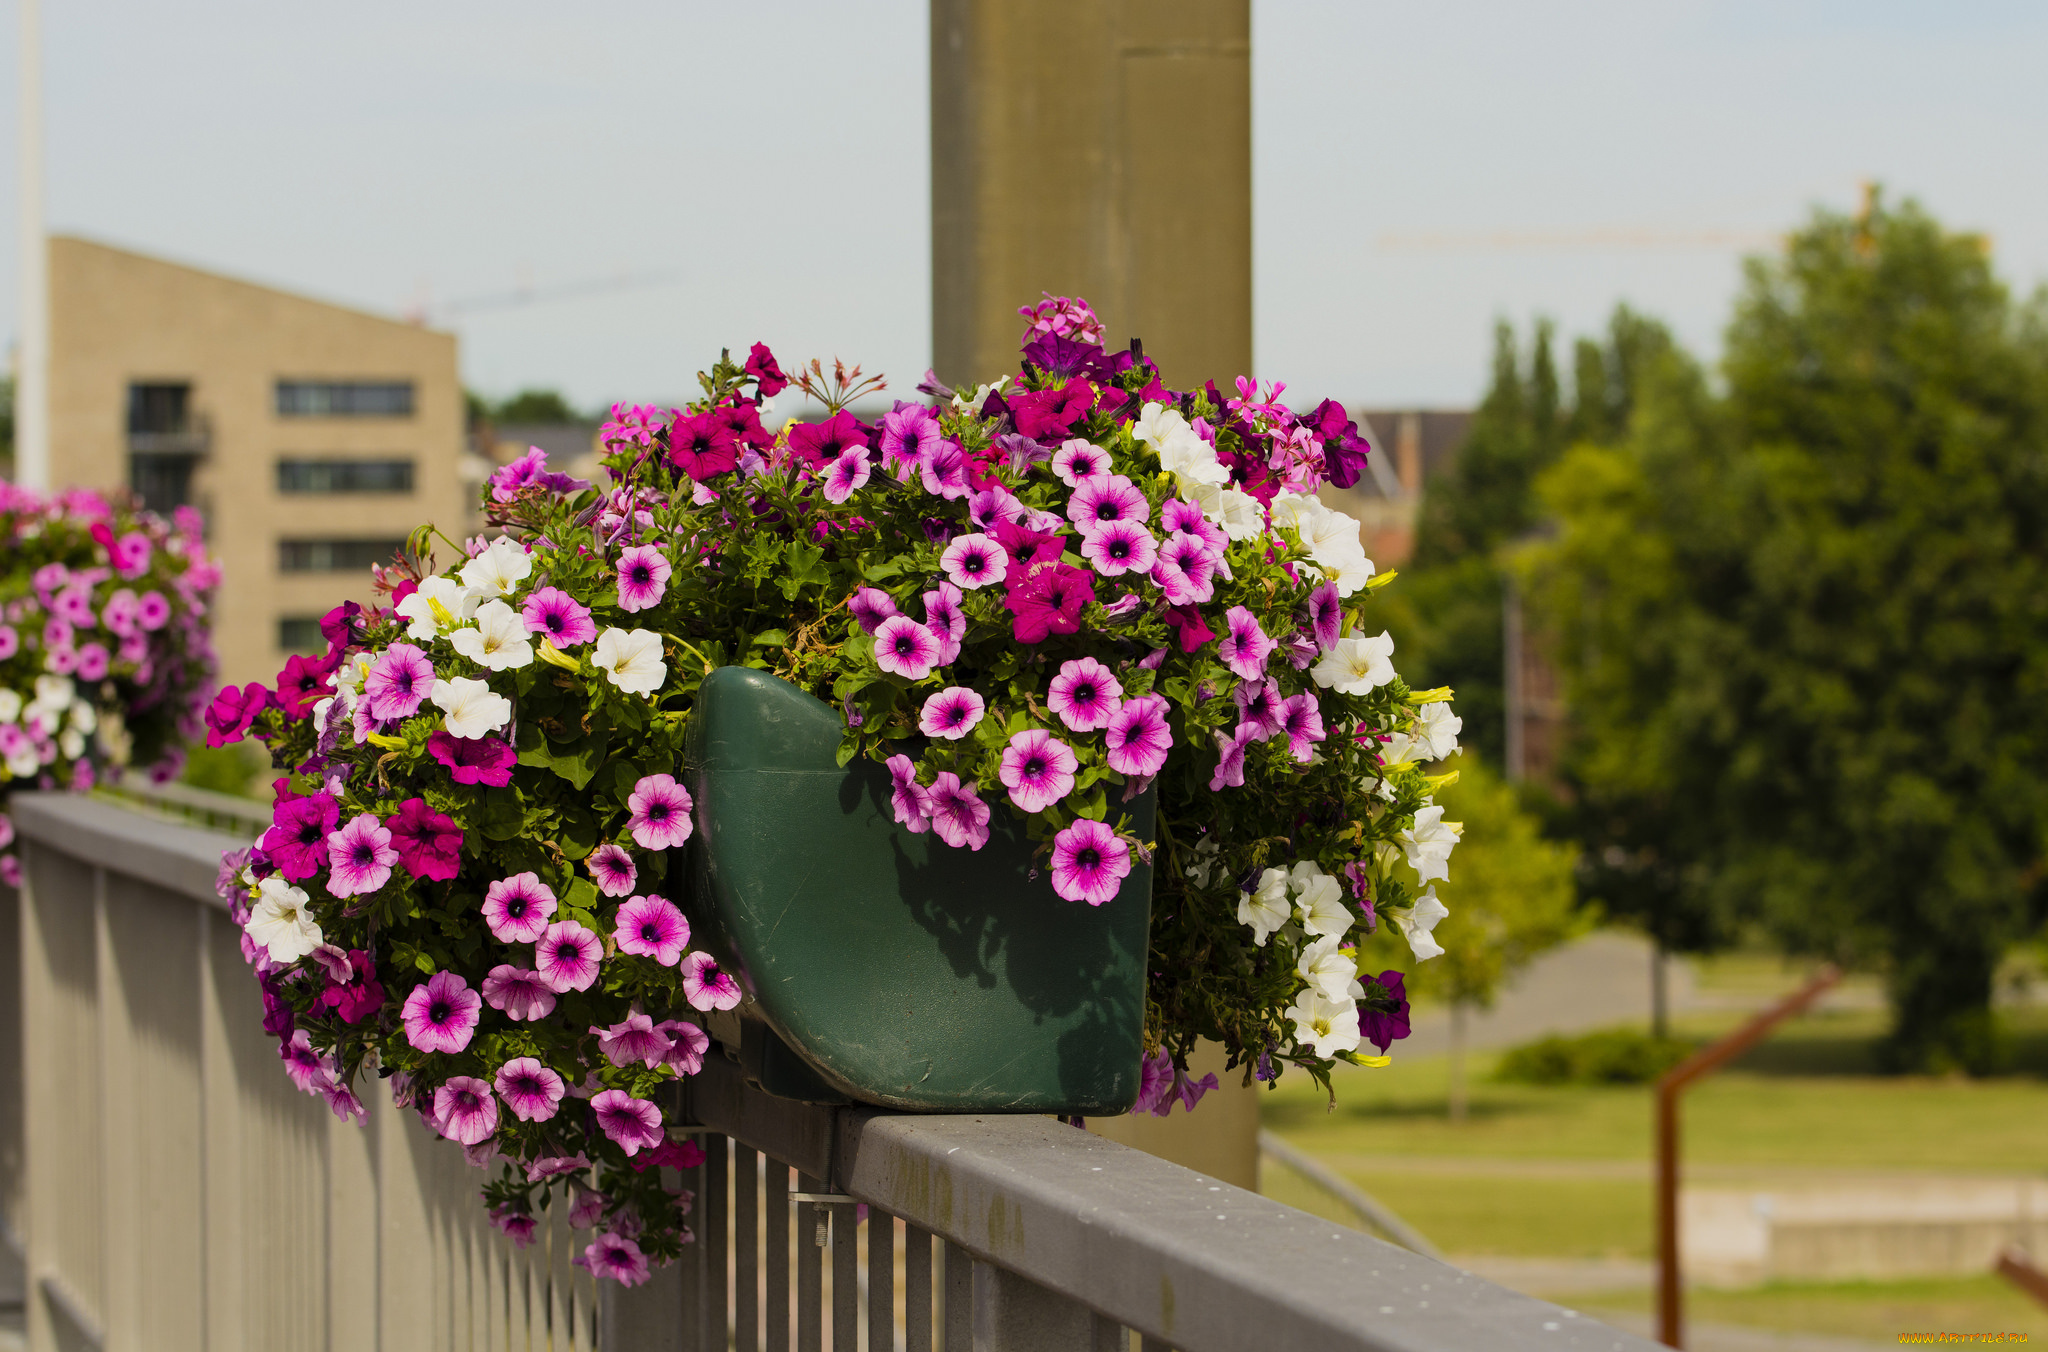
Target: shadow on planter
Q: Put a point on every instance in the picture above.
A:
(885, 967)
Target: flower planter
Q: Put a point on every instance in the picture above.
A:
(902, 973)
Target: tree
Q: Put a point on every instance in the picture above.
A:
(535, 406)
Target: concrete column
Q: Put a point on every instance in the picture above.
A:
(1099, 148)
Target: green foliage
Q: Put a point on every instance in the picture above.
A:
(535, 406)
(1608, 1056)
(237, 769)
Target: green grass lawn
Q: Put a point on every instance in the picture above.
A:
(1878, 1311)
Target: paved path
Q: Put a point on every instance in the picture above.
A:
(1594, 982)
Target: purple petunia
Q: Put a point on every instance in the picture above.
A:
(397, 682)
(1089, 862)
(1137, 736)
(567, 957)
(907, 798)
(428, 842)
(870, 607)
(359, 857)
(1326, 616)
(643, 578)
(312, 1071)
(560, 618)
(1084, 694)
(613, 869)
(474, 760)
(1258, 710)
(705, 986)
(1104, 500)
(517, 908)
(1120, 547)
(1038, 769)
(905, 648)
(660, 810)
(1244, 647)
(909, 434)
(441, 1014)
(1380, 1026)
(959, 817)
(529, 1088)
(848, 472)
(974, 561)
(1302, 720)
(1230, 761)
(297, 839)
(465, 1111)
(652, 927)
(517, 993)
(633, 1123)
(987, 506)
(615, 1256)
(951, 714)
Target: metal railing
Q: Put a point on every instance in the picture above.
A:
(179, 1193)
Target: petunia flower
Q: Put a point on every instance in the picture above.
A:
(1382, 1026)
(846, 474)
(702, 445)
(470, 707)
(959, 817)
(1258, 710)
(1429, 843)
(474, 760)
(660, 810)
(1120, 547)
(613, 870)
(944, 471)
(465, 1111)
(1356, 664)
(1319, 899)
(707, 987)
(297, 839)
(429, 843)
(1089, 862)
(567, 957)
(519, 994)
(973, 561)
(909, 434)
(652, 927)
(631, 660)
(436, 605)
(587, 1208)
(1049, 600)
(1104, 500)
(687, 1046)
(1038, 769)
(643, 578)
(517, 1226)
(312, 1071)
(987, 506)
(1137, 736)
(1178, 516)
(633, 1123)
(342, 1101)
(1325, 615)
(615, 1256)
(905, 648)
(1230, 749)
(633, 1038)
(907, 798)
(517, 908)
(951, 714)
(1416, 925)
(498, 570)
(441, 1014)
(558, 617)
(1084, 694)
(359, 857)
(948, 623)
(499, 641)
(1325, 1026)
(397, 682)
(228, 717)
(530, 1089)
(1078, 460)
(1301, 720)
(1265, 908)
(1185, 571)
(1244, 647)
(870, 606)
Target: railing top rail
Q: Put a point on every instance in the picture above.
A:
(1169, 1252)
(184, 859)
(185, 799)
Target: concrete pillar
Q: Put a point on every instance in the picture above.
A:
(1099, 148)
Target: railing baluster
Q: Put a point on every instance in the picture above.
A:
(775, 1211)
(958, 1294)
(881, 1281)
(846, 1278)
(746, 1238)
(712, 1235)
(917, 1289)
(810, 1297)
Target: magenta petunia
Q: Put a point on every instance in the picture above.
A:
(517, 1226)
(1244, 647)
(948, 623)
(870, 606)
(567, 956)
(660, 810)
(1138, 737)
(986, 506)
(560, 618)
(905, 648)
(429, 842)
(705, 986)
(529, 1088)
(652, 927)
(613, 870)
(1120, 547)
(615, 1256)
(342, 1101)
(1258, 710)
(959, 817)
(1038, 769)
(441, 1014)
(633, 1038)
(909, 433)
(1089, 862)
(1049, 599)
(1302, 720)
(944, 471)
(1326, 616)
(845, 474)
(359, 857)
(1077, 461)
(1105, 500)
(312, 1071)
(465, 1110)
(634, 1123)
(1179, 517)
(520, 995)
(1185, 571)
(907, 798)
(297, 839)
(482, 760)
(687, 1046)
(643, 578)
(518, 908)
(1230, 761)
(951, 714)
(1084, 694)
(703, 445)
(397, 682)
(973, 561)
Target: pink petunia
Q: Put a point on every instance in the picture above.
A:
(845, 474)
(441, 1015)
(705, 986)
(1104, 500)
(995, 503)
(1177, 517)
(633, 1123)
(1326, 616)
(152, 611)
(907, 798)
(1230, 761)
(553, 1166)
(517, 1226)
(944, 471)
(973, 561)
(687, 1046)
(465, 1110)
(613, 870)
(553, 614)
(910, 432)
(482, 760)
(1077, 461)
(530, 1089)
(1038, 769)
(1301, 719)
(1185, 571)
(951, 714)
(1258, 710)
(633, 1038)
(1244, 647)
(567, 957)
(312, 1071)
(643, 578)
(870, 606)
(948, 623)
(342, 1101)
(397, 682)
(905, 648)
(1120, 547)
(429, 843)
(652, 927)
(1089, 862)
(617, 1257)
(959, 817)
(518, 993)
(359, 857)
(517, 908)
(660, 810)
(1084, 694)
(1138, 737)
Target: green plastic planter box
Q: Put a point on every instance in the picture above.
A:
(886, 967)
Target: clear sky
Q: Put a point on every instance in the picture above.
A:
(738, 171)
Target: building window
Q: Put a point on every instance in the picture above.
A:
(344, 398)
(300, 634)
(333, 556)
(165, 443)
(344, 476)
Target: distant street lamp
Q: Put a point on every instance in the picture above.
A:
(32, 380)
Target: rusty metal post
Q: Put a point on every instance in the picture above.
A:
(1670, 1295)
(2016, 1267)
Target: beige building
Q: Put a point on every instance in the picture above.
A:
(314, 438)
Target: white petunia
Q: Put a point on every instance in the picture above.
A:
(71, 744)
(84, 718)
(23, 762)
(499, 570)
(1320, 899)
(1433, 736)
(1156, 422)
(971, 403)
(1416, 925)
(499, 641)
(1328, 1026)
(54, 694)
(471, 708)
(631, 661)
(1327, 968)
(1243, 516)
(280, 923)
(10, 706)
(457, 603)
(1429, 844)
(1265, 909)
(1356, 664)
(1188, 458)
